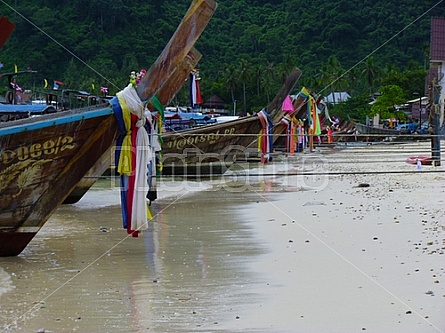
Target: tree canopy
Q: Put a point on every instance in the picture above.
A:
(247, 48)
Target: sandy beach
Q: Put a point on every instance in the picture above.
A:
(347, 258)
(338, 240)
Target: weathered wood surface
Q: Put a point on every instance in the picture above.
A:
(365, 129)
(182, 41)
(41, 164)
(171, 87)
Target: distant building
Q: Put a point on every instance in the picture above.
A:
(214, 103)
(337, 97)
(415, 108)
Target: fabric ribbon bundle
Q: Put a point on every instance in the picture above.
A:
(289, 122)
(265, 139)
(314, 120)
(301, 136)
(135, 157)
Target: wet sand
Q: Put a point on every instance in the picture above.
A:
(258, 253)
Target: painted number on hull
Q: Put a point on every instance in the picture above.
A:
(211, 139)
(36, 150)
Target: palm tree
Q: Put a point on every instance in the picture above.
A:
(230, 79)
(244, 77)
(268, 78)
(370, 72)
(259, 73)
(331, 75)
(287, 66)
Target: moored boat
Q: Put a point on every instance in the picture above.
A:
(213, 148)
(376, 131)
(43, 158)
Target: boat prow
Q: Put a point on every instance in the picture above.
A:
(43, 158)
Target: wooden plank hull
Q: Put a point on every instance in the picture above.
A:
(41, 162)
(222, 144)
(365, 129)
(98, 169)
(43, 158)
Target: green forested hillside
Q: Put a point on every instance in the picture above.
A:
(350, 45)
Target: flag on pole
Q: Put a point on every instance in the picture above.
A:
(15, 86)
(6, 28)
(195, 91)
(57, 84)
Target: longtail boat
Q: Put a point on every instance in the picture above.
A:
(200, 150)
(372, 130)
(373, 133)
(43, 158)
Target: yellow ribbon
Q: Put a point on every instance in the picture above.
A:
(149, 215)
(125, 166)
(260, 141)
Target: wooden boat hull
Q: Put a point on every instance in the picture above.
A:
(41, 163)
(98, 169)
(43, 158)
(219, 145)
(375, 131)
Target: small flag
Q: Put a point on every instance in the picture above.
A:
(46, 83)
(15, 69)
(15, 86)
(57, 84)
(195, 91)
(6, 28)
(92, 86)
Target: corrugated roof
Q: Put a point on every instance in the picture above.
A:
(437, 41)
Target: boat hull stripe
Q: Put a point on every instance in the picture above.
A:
(69, 118)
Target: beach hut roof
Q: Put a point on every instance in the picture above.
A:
(214, 102)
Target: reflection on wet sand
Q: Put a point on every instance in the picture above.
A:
(82, 273)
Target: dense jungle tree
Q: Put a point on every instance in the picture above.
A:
(94, 42)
